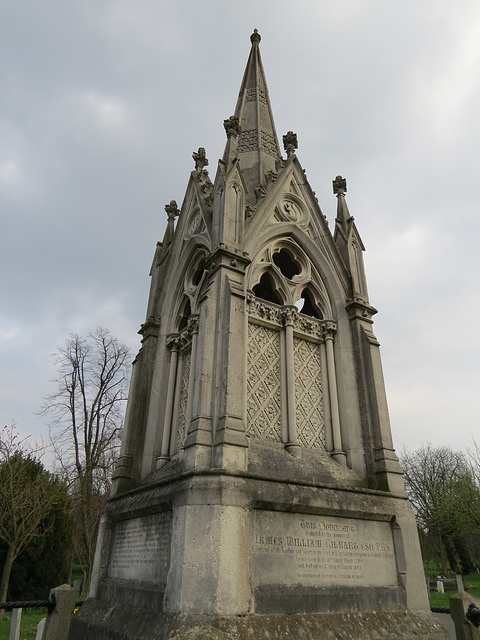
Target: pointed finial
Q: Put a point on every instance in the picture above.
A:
(290, 143)
(172, 210)
(232, 126)
(255, 37)
(339, 185)
(200, 159)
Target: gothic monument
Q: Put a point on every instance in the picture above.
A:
(257, 494)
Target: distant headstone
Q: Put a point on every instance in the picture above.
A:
(440, 586)
(78, 585)
(15, 624)
(40, 627)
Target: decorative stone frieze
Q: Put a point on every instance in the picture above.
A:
(264, 310)
(288, 315)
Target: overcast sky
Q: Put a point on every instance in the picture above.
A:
(103, 102)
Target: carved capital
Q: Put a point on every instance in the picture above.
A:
(289, 315)
(339, 186)
(173, 341)
(329, 329)
(232, 126)
(290, 143)
(200, 159)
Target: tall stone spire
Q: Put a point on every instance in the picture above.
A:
(256, 146)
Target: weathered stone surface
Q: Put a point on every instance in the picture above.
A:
(258, 494)
(128, 625)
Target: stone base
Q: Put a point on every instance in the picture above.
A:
(131, 623)
(299, 551)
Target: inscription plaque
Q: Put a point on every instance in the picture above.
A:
(141, 548)
(295, 549)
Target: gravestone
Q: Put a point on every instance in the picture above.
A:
(78, 585)
(40, 627)
(257, 494)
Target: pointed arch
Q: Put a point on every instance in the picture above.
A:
(267, 289)
(291, 271)
(188, 270)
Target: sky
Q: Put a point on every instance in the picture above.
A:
(103, 103)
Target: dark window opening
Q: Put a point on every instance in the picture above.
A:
(265, 290)
(197, 276)
(286, 263)
(308, 308)
(185, 316)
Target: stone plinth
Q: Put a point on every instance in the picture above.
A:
(238, 554)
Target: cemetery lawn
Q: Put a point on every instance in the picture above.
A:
(472, 586)
(30, 619)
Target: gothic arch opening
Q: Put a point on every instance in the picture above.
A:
(266, 289)
(198, 273)
(186, 313)
(287, 263)
(306, 305)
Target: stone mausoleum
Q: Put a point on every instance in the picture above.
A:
(258, 495)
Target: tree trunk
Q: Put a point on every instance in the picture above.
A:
(7, 569)
(451, 553)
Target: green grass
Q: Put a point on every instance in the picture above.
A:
(30, 619)
(472, 586)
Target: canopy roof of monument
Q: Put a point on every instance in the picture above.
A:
(257, 147)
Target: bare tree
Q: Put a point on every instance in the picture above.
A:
(87, 410)
(27, 494)
(446, 499)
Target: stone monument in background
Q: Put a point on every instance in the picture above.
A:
(257, 494)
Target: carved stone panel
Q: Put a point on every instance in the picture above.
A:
(141, 548)
(308, 394)
(263, 384)
(295, 549)
(183, 399)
